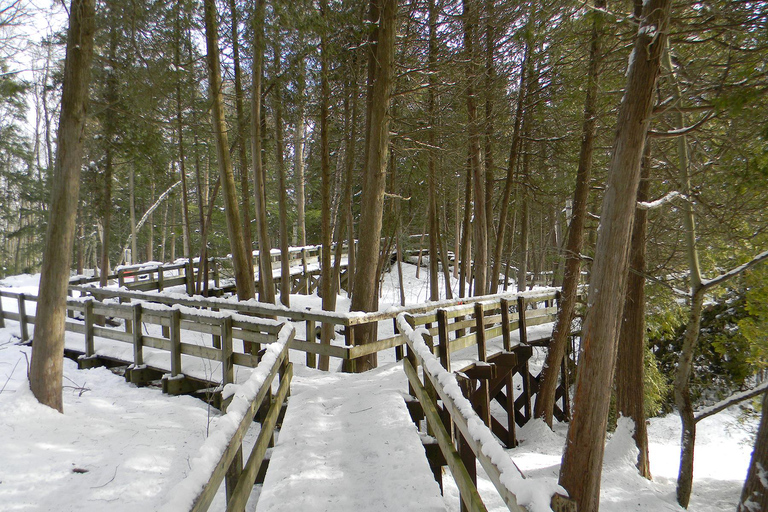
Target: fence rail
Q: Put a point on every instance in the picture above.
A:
(472, 441)
(224, 327)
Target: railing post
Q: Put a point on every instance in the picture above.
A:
(138, 348)
(2, 315)
(175, 337)
(160, 277)
(398, 349)
(482, 355)
(22, 299)
(88, 320)
(505, 331)
(227, 367)
(522, 323)
(70, 314)
(310, 338)
(445, 344)
(304, 275)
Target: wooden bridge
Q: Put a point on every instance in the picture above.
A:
(196, 344)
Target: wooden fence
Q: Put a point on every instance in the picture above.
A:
(461, 435)
(240, 477)
(224, 327)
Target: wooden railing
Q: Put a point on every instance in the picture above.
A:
(221, 455)
(471, 441)
(349, 322)
(224, 327)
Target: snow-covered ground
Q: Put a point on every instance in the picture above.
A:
(118, 447)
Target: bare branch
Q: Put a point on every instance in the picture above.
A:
(710, 283)
(731, 400)
(659, 202)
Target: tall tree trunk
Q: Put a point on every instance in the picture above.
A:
(630, 365)
(266, 283)
(186, 229)
(434, 290)
(465, 273)
(381, 58)
(111, 98)
(132, 213)
(522, 269)
(241, 129)
(581, 467)
(328, 295)
(754, 495)
(285, 263)
(490, 78)
(480, 235)
(151, 222)
(243, 278)
(545, 400)
(298, 153)
(46, 367)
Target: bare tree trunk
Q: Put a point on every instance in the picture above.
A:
(186, 229)
(243, 278)
(132, 206)
(630, 365)
(465, 275)
(522, 269)
(480, 235)
(327, 293)
(490, 77)
(241, 128)
(45, 372)
(298, 154)
(581, 467)
(754, 495)
(285, 264)
(545, 399)
(434, 290)
(381, 59)
(266, 283)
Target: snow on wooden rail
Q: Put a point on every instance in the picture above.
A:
(218, 456)
(515, 490)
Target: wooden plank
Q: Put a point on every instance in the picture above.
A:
(2, 315)
(444, 342)
(467, 489)
(522, 320)
(248, 476)
(200, 351)
(248, 360)
(377, 346)
(323, 350)
(74, 327)
(158, 343)
(112, 334)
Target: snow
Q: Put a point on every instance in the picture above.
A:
(348, 442)
(136, 445)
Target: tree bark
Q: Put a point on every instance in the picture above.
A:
(241, 129)
(581, 467)
(243, 278)
(480, 234)
(754, 495)
(298, 153)
(630, 365)
(327, 293)
(545, 398)
(45, 372)
(285, 264)
(434, 290)
(266, 283)
(381, 58)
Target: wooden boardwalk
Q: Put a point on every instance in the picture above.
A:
(348, 444)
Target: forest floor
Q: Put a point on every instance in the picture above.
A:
(122, 448)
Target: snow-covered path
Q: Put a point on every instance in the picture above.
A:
(348, 444)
